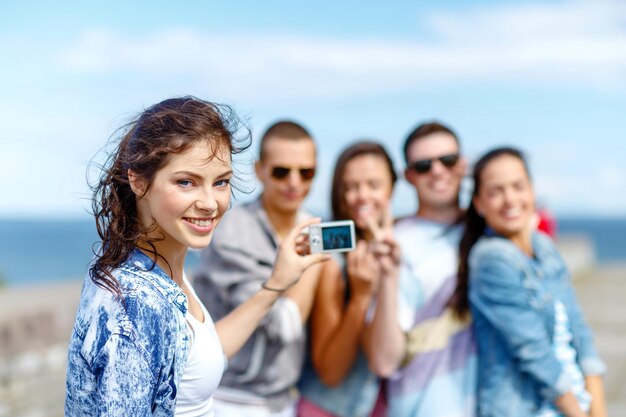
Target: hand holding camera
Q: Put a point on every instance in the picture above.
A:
(290, 264)
(332, 237)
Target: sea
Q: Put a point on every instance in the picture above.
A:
(43, 251)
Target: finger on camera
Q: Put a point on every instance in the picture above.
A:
(302, 238)
(298, 229)
(302, 249)
(315, 258)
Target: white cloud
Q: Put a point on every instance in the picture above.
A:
(581, 193)
(577, 178)
(526, 21)
(575, 43)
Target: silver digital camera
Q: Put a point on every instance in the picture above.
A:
(332, 237)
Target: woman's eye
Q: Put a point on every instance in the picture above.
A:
(223, 182)
(375, 185)
(185, 183)
(491, 193)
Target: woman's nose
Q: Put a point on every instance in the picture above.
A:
(206, 201)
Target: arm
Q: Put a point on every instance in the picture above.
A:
(568, 404)
(335, 327)
(121, 360)
(125, 383)
(595, 387)
(236, 327)
(384, 340)
(304, 291)
(589, 361)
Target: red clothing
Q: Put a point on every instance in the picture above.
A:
(547, 223)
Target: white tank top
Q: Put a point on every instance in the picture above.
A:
(203, 370)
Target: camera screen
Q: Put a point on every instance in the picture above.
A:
(336, 237)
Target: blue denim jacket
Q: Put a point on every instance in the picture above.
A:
(127, 360)
(512, 302)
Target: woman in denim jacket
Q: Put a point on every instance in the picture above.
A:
(143, 344)
(336, 381)
(536, 356)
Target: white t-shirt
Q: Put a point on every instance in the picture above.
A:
(429, 259)
(566, 354)
(203, 370)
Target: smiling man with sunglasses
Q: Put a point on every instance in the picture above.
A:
(428, 354)
(260, 379)
(435, 169)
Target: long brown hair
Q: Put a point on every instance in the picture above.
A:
(475, 227)
(145, 146)
(338, 192)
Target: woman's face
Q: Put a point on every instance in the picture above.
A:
(506, 199)
(187, 198)
(368, 188)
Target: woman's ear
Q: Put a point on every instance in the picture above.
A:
(137, 184)
(258, 169)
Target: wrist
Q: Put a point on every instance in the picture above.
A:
(277, 289)
(392, 274)
(266, 299)
(280, 280)
(389, 281)
(361, 298)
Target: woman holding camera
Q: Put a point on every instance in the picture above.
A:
(536, 357)
(143, 344)
(338, 382)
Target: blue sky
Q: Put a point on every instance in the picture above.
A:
(547, 76)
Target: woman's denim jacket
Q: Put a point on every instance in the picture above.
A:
(512, 301)
(127, 359)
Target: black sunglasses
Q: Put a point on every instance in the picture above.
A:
(424, 165)
(306, 174)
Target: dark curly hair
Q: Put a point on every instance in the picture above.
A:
(146, 145)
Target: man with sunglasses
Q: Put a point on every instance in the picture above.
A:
(260, 380)
(427, 353)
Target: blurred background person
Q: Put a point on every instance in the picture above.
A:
(337, 380)
(261, 379)
(427, 352)
(536, 356)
